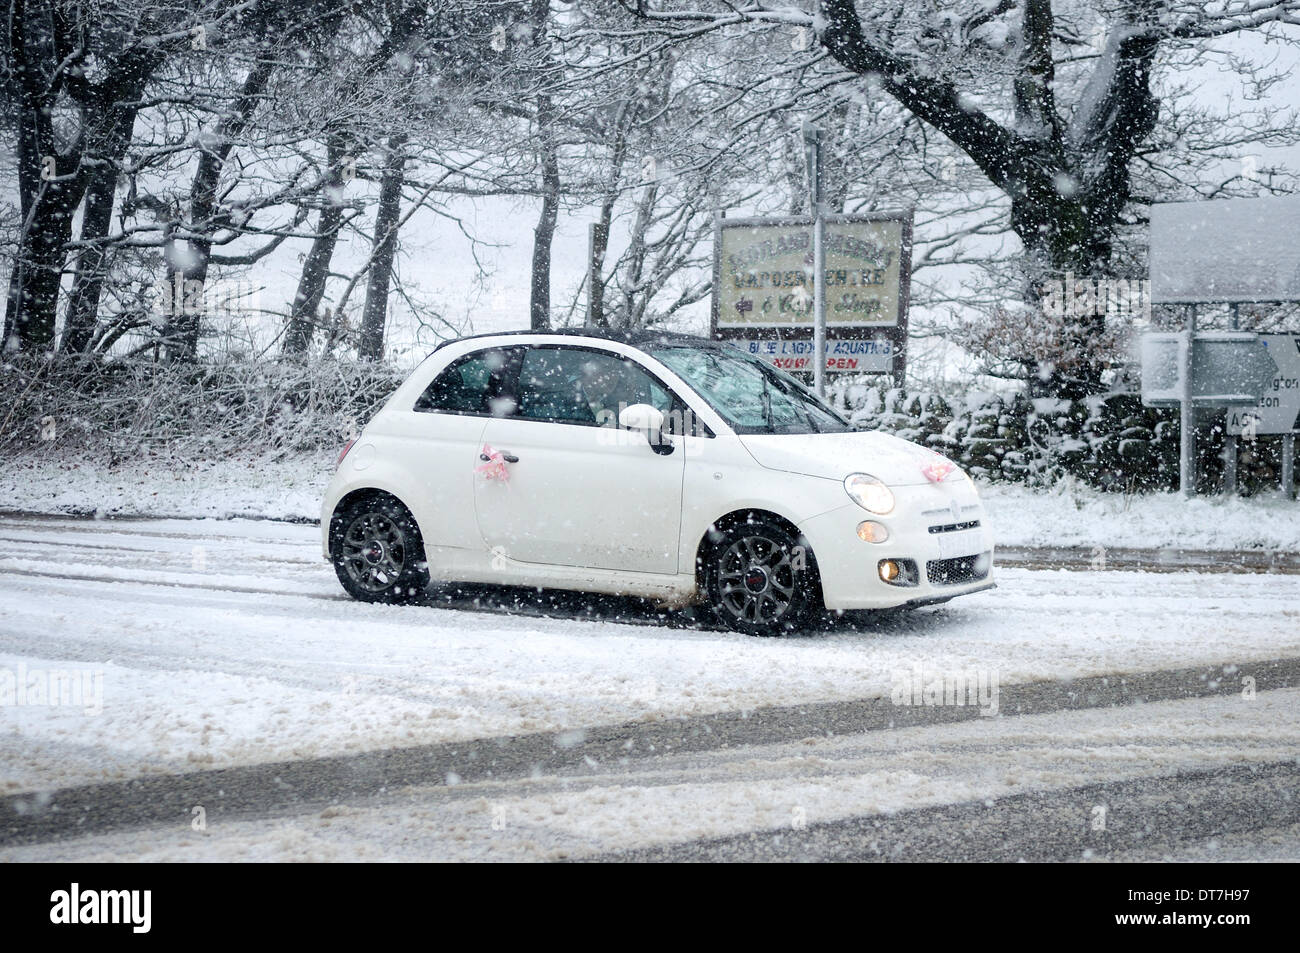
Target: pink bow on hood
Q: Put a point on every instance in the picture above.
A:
(936, 470)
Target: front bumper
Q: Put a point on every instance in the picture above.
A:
(929, 525)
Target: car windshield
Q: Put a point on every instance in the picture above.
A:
(750, 394)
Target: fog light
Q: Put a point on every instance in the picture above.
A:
(869, 531)
(899, 572)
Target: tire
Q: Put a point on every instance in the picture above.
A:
(760, 579)
(377, 551)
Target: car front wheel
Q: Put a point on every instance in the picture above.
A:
(377, 551)
(761, 579)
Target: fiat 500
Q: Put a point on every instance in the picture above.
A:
(664, 466)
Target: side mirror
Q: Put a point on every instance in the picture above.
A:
(649, 421)
(641, 417)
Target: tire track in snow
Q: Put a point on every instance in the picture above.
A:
(294, 786)
(493, 600)
(1080, 558)
(1148, 814)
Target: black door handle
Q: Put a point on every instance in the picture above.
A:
(507, 457)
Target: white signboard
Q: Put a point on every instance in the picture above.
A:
(1163, 357)
(765, 273)
(1278, 411)
(1232, 250)
(858, 356)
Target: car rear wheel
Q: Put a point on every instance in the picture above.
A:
(377, 551)
(761, 579)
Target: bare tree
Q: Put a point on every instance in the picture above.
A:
(1067, 173)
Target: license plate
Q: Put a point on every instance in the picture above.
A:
(952, 545)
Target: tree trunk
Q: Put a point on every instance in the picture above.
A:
(600, 228)
(303, 319)
(50, 184)
(635, 298)
(539, 308)
(370, 346)
(88, 280)
(315, 268)
(31, 307)
(1068, 182)
(599, 242)
(187, 270)
(96, 219)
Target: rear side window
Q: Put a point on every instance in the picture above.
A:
(477, 383)
(582, 386)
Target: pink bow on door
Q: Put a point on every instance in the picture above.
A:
(493, 466)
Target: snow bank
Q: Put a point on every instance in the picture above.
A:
(1070, 514)
(287, 488)
(1074, 515)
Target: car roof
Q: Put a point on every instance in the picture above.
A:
(638, 338)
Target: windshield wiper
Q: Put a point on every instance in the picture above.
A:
(767, 406)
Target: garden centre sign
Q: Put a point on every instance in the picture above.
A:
(860, 356)
(763, 295)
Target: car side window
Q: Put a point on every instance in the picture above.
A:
(477, 383)
(580, 386)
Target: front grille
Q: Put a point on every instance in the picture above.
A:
(954, 572)
(955, 527)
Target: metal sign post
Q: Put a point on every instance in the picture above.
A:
(1288, 465)
(1231, 452)
(1186, 431)
(812, 138)
(1212, 369)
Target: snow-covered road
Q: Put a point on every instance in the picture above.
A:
(1074, 785)
(211, 644)
(230, 642)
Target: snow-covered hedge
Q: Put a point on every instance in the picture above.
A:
(109, 410)
(1111, 441)
(106, 412)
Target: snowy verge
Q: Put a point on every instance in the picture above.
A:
(1073, 515)
(287, 488)
(1066, 515)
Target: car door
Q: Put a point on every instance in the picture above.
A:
(443, 433)
(581, 492)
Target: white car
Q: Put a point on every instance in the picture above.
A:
(647, 464)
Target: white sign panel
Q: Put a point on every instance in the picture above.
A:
(1163, 358)
(1223, 251)
(861, 356)
(1278, 411)
(766, 274)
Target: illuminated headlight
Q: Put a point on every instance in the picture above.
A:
(869, 493)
